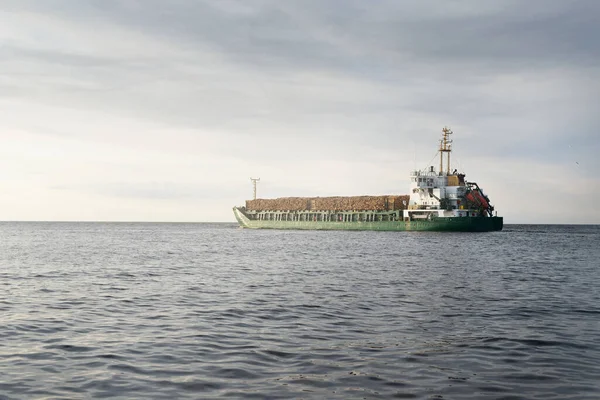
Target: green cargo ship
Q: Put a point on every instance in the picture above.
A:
(438, 201)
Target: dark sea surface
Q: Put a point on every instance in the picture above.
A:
(193, 311)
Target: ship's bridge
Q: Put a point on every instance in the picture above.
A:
(427, 179)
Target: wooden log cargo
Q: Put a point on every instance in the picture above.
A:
(337, 203)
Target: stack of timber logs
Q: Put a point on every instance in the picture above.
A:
(401, 202)
(338, 203)
(282, 203)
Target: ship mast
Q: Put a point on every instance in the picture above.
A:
(254, 180)
(445, 147)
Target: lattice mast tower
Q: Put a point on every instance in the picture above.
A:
(254, 180)
(445, 147)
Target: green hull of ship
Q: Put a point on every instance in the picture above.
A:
(450, 224)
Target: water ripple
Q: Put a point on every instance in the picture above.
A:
(163, 311)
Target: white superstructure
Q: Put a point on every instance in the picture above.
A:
(444, 193)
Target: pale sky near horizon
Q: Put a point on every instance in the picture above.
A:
(131, 110)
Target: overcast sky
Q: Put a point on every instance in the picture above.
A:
(148, 110)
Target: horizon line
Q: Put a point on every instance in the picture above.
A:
(232, 222)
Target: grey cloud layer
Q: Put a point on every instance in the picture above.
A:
(435, 54)
(330, 35)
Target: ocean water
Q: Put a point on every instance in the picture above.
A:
(194, 311)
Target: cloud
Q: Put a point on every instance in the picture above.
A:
(316, 97)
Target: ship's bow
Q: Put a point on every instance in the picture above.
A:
(241, 217)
